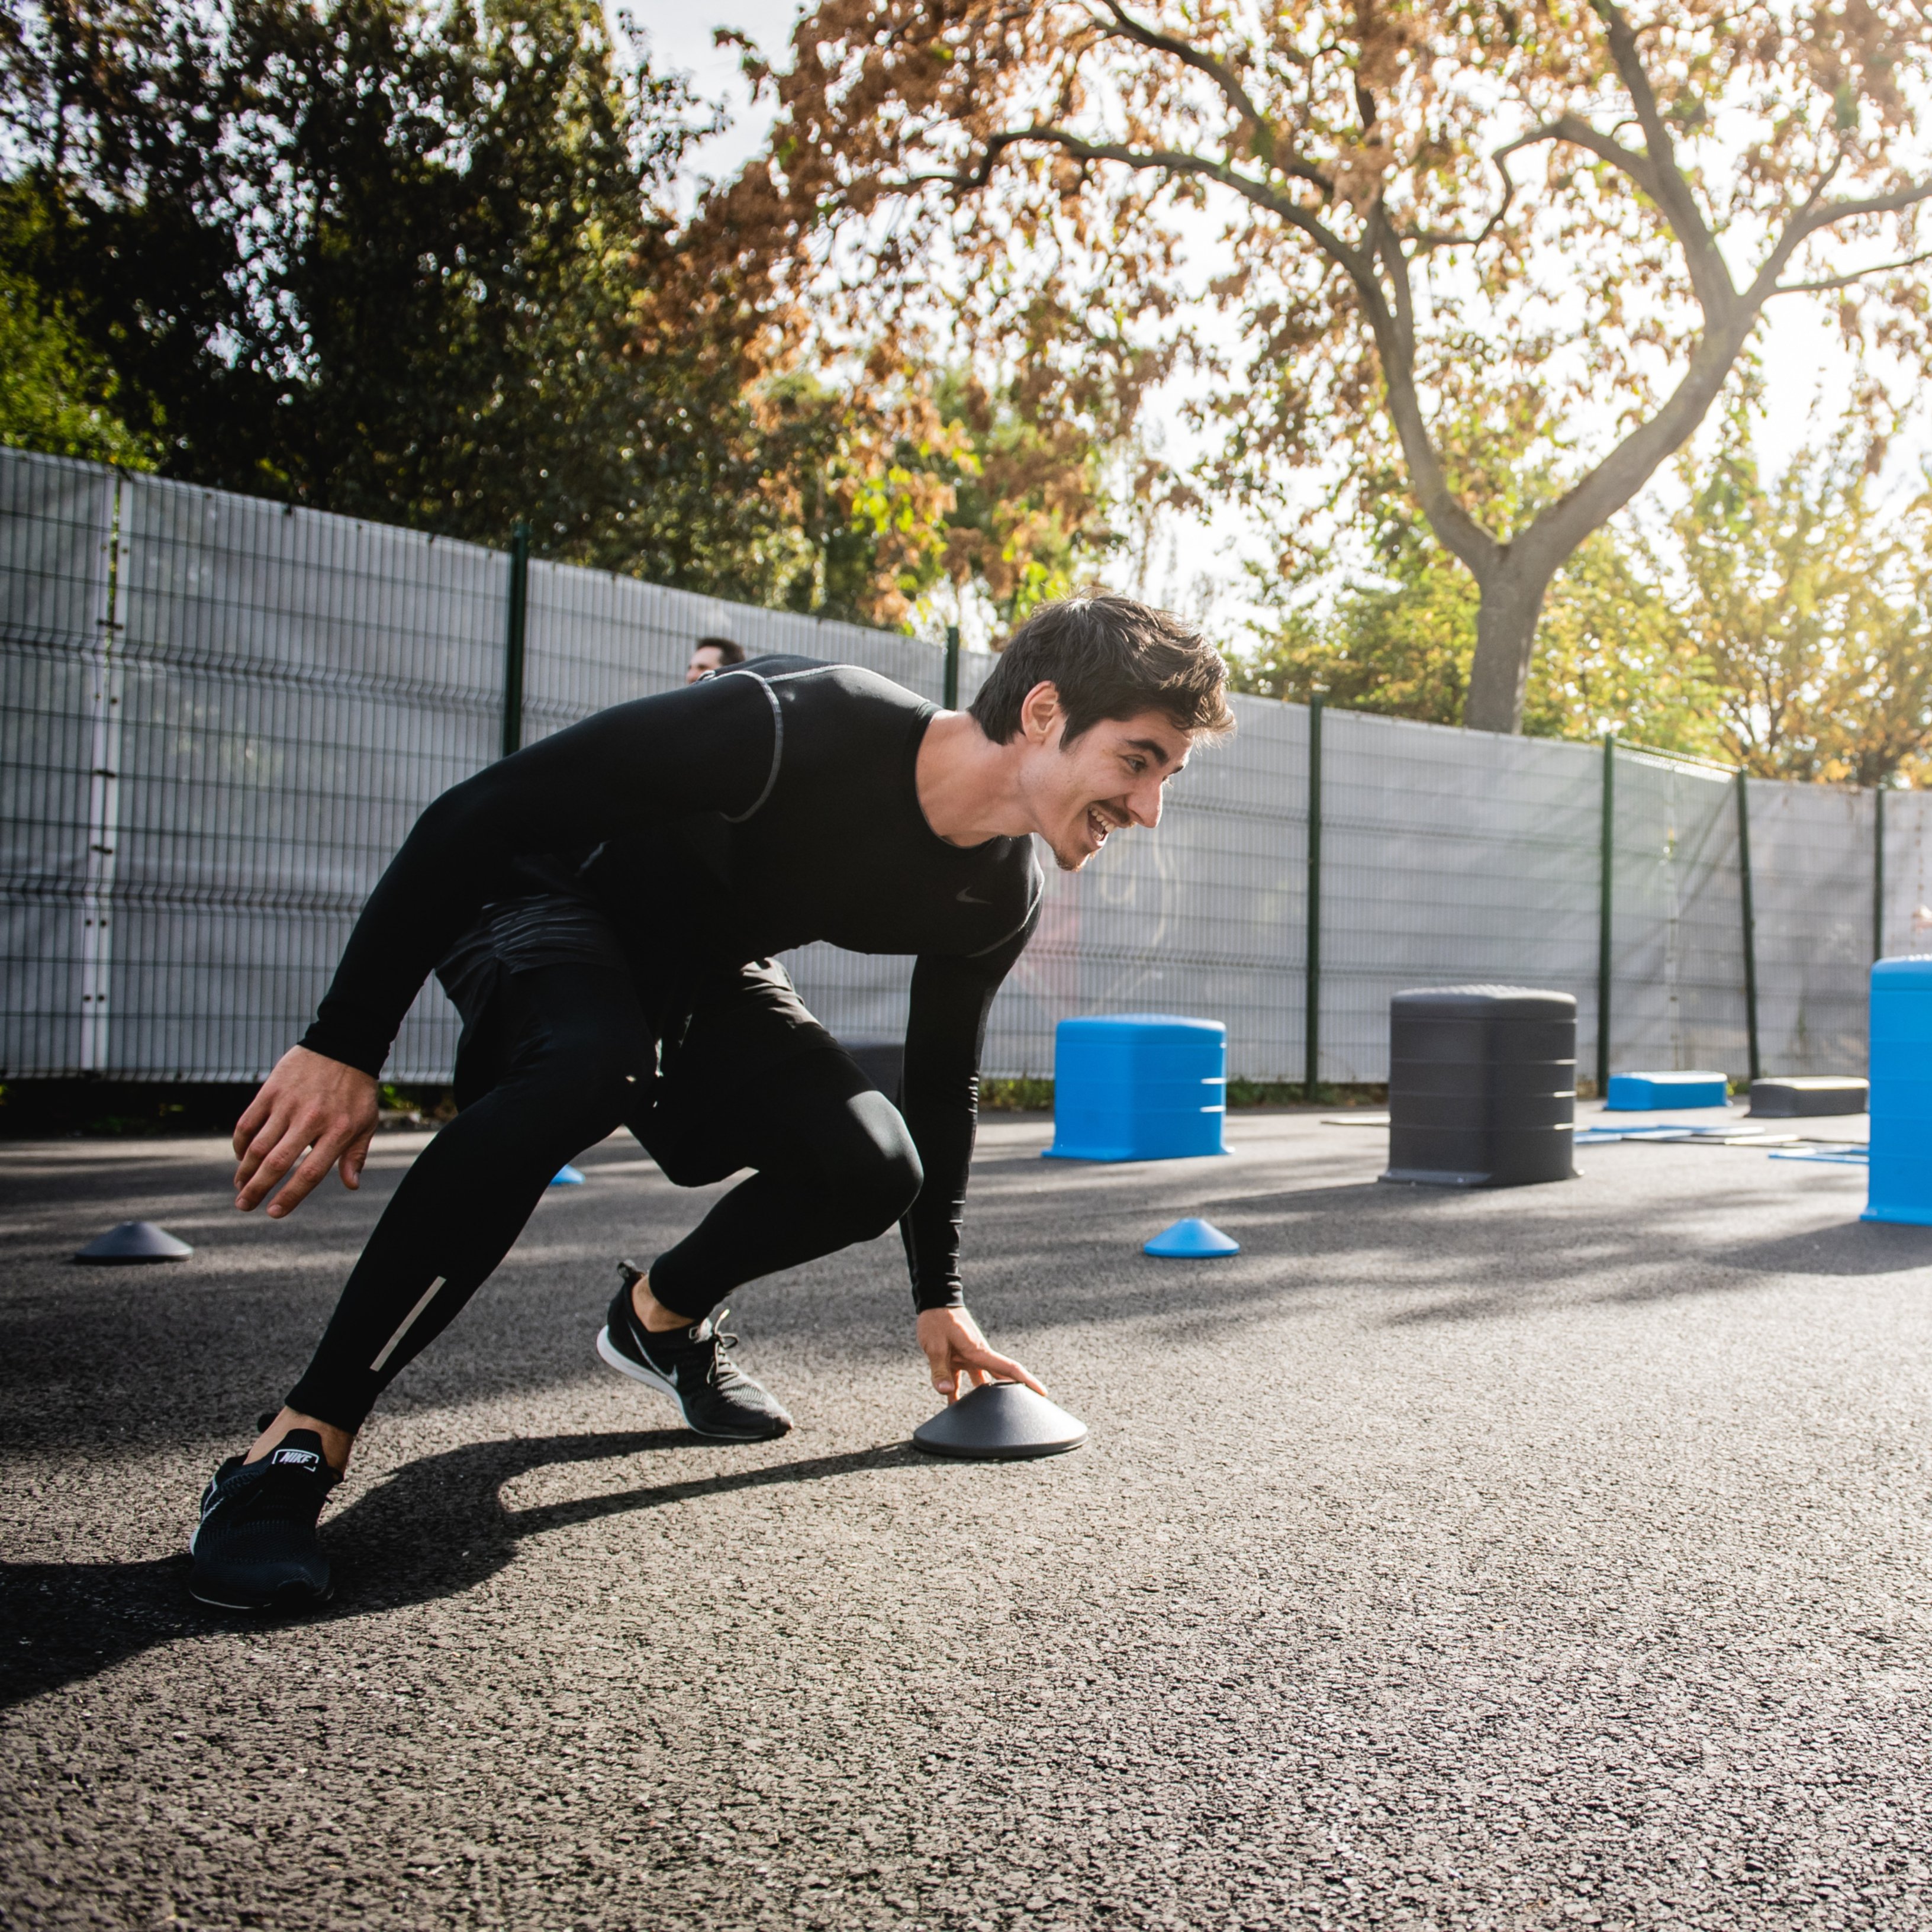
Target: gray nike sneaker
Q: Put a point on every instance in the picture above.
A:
(694, 1367)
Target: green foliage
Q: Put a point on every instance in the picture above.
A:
(420, 262)
(1294, 1094)
(1778, 624)
(56, 394)
(1612, 654)
(1812, 605)
(939, 485)
(1016, 1096)
(1036, 1096)
(391, 261)
(1033, 511)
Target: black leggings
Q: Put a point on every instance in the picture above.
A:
(563, 1060)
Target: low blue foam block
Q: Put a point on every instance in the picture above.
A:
(568, 1177)
(1642, 1093)
(1901, 1092)
(1191, 1241)
(1138, 1086)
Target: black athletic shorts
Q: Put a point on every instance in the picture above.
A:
(696, 1052)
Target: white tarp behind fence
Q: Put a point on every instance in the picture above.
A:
(219, 717)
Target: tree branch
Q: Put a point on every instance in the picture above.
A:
(1237, 96)
(1710, 279)
(1818, 213)
(1459, 533)
(1615, 480)
(1393, 330)
(1355, 263)
(1574, 129)
(1559, 529)
(1846, 281)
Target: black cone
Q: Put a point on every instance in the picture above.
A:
(135, 1241)
(1001, 1422)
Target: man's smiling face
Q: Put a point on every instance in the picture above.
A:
(1109, 777)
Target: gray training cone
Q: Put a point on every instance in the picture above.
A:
(1001, 1422)
(135, 1241)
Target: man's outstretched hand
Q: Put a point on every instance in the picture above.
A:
(312, 1114)
(955, 1349)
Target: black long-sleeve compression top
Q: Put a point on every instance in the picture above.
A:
(770, 805)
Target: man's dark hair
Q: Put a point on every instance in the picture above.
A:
(729, 650)
(1107, 657)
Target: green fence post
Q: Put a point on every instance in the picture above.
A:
(1606, 873)
(513, 640)
(1750, 923)
(1312, 994)
(952, 667)
(1878, 873)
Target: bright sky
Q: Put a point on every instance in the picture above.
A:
(1802, 355)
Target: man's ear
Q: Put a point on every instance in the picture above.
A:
(1040, 713)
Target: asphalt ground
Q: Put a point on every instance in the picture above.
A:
(1512, 1559)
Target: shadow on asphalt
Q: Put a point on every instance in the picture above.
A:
(1478, 1254)
(93, 1361)
(435, 1529)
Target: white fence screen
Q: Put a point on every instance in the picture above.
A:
(218, 718)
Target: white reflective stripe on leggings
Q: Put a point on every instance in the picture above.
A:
(409, 1322)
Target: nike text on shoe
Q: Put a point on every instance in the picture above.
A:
(694, 1367)
(255, 1547)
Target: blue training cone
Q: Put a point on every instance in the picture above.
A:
(1191, 1240)
(568, 1177)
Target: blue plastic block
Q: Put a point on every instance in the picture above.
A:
(1191, 1240)
(1900, 1188)
(1138, 1086)
(1641, 1093)
(568, 1177)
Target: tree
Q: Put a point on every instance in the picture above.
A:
(1783, 625)
(360, 255)
(936, 483)
(420, 263)
(1812, 606)
(56, 395)
(1444, 207)
(1614, 653)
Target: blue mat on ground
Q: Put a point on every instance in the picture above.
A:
(1645, 1093)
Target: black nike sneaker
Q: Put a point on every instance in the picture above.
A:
(255, 1547)
(694, 1367)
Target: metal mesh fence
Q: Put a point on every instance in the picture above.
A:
(1204, 916)
(1812, 881)
(296, 687)
(219, 718)
(1907, 876)
(1677, 927)
(1451, 858)
(57, 716)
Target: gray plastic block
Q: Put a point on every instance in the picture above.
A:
(1803, 1096)
(1482, 1086)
